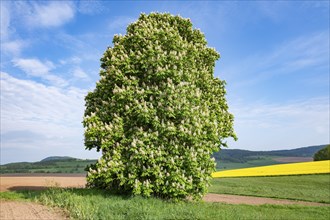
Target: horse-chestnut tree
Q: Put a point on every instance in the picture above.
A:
(157, 113)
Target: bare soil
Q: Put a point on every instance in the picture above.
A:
(27, 210)
(293, 159)
(11, 183)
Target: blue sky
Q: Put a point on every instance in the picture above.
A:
(274, 57)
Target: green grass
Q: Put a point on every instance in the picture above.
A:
(97, 204)
(314, 188)
(253, 161)
(13, 196)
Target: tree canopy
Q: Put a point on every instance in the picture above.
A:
(157, 113)
(323, 154)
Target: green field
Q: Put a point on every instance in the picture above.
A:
(249, 162)
(314, 188)
(97, 204)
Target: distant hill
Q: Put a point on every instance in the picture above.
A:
(54, 164)
(241, 156)
(235, 158)
(298, 152)
(226, 159)
(53, 158)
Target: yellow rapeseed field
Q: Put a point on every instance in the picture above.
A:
(316, 167)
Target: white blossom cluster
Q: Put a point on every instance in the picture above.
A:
(157, 113)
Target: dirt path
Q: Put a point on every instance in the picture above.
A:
(27, 210)
(251, 200)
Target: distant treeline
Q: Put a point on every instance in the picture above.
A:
(226, 159)
(242, 156)
(61, 165)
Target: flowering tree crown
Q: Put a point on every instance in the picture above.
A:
(157, 113)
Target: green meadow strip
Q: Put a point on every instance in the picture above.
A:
(313, 188)
(98, 204)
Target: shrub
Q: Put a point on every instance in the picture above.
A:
(323, 154)
(157, 113)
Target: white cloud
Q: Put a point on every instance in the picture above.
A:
(273, 126)
(45, 103)
(36, 68)
(90, 7)
(84, 48)
(120, 23)
(4, 21)
(29, 14)
(79, 73)
(56, 80)
(32, 14)
(311, 51)
(53, 14)
(13, 48)
(11, 45)
(71, 60)
(273, 10)
(40, 120)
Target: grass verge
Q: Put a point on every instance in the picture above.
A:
(313, 188)
(98, 204)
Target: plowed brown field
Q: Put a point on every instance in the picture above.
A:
(33, 182)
